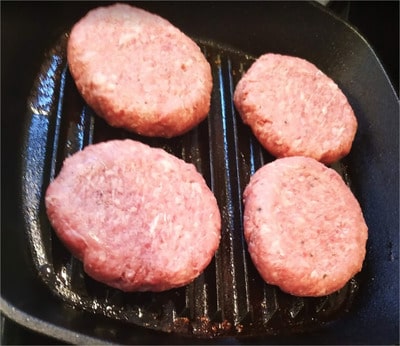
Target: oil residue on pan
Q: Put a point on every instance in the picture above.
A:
(229, 298)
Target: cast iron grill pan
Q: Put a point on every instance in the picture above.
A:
(229, 298)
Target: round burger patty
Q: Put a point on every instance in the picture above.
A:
(304, 228)
(294, 109)
(139, 72)
(138, 218)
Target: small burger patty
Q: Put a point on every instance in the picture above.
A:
(304, 228)
(139, 72)
(138, 218)
(295, 109)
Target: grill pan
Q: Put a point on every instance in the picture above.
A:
(45, 288)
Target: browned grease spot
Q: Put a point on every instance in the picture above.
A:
(203, 326)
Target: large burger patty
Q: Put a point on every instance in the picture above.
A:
(304, 228)
(139, 72)
(294, 109)
(139, 218)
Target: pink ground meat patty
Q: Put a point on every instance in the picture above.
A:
(295, 109)
(139, 218)
(304, 228)
(139, 72)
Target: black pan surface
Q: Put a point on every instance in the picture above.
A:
(45, 120)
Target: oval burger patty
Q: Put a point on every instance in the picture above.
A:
(304, 228)
(139, 218)
(139, 72)
(294, 109)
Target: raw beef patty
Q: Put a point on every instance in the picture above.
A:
(139, 72)
(304, 228)
(295, 109)
(139, 218)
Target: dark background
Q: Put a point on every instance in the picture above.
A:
(377, 21)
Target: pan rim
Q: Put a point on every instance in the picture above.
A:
(40, 326)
